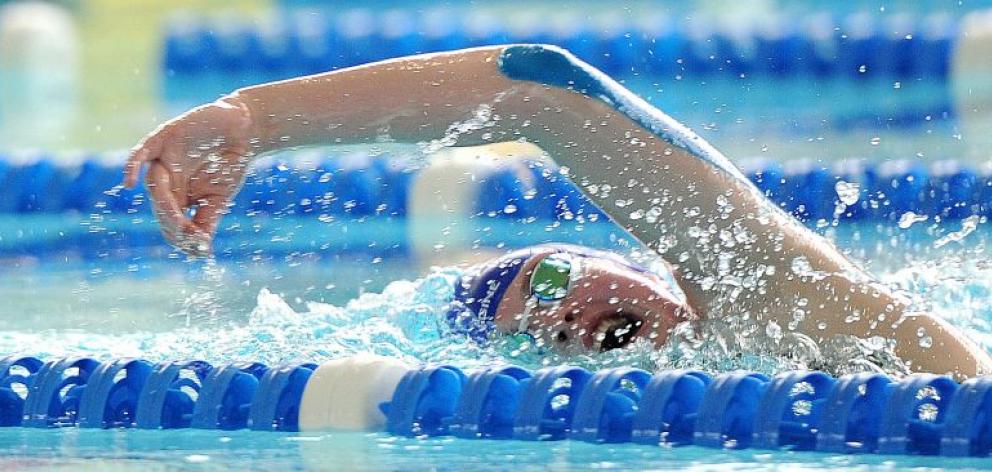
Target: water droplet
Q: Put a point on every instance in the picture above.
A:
(928, 393)
(968, 225)
(849, 192)
(928, 412)
(909, 218)
(802, 407)
(773, 330)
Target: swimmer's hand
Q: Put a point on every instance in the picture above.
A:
(196, 163)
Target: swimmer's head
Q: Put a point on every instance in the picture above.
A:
(569, 297)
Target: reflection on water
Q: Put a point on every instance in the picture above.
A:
(316, 311)
(215, 450)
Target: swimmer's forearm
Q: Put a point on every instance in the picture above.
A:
(410, 99)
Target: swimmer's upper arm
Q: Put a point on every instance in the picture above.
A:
(553, 66)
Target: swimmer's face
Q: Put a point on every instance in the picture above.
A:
(581, 304)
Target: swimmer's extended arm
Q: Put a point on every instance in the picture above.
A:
(735, 251)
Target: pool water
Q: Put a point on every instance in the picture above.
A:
(214, 450)
(296, 288)
(165, 307)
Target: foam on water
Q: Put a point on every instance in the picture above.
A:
(957, 288)
(407, 321)
(401, 322)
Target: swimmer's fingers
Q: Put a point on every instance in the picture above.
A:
(211, 190)
(192, 236)
(198, 236)
(133, 166)
(168, 210)
(147, 150)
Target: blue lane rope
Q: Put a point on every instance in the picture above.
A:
(855, 46)
(170, 395)
(948, 189)
(922, 414)
(275, 406)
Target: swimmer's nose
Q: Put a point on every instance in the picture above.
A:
(568, 338)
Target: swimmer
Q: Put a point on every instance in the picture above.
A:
(732, 251)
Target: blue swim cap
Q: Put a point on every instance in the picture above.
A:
(478, 293)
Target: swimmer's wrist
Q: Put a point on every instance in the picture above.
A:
(248, 124)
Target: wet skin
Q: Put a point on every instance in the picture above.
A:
(584, 121)
(608, 307)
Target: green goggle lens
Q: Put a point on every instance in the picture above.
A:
(551, 278)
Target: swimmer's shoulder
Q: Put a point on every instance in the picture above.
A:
(556, 67)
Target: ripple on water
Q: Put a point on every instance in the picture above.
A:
(406, 321)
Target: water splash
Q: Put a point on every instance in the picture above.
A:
(909, 219)
(407, 321)
(968, 225)
(956, 287)
(402, 322)
(482, 117)
(848, 192)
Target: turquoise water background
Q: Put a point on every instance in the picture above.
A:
(281, 295)
(84, 450)
(315, 309)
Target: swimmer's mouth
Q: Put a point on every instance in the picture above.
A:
(615, 331)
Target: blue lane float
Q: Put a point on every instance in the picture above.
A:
(856, 46)
(278, 397)
(921, 414)
(112, 391)
(170, 394)
(809, 189)
(55, 392)
(669, 407)
(225, 398)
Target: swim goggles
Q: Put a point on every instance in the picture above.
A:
(551, 281)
